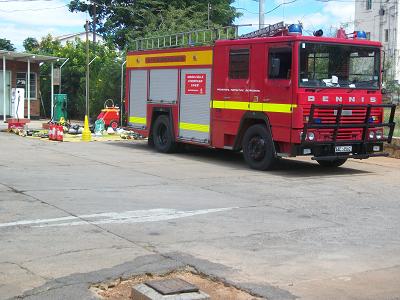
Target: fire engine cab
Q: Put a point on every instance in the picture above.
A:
(271, 93)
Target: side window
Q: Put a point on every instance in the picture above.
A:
(368, 4)
(280, 63)
(239, 63)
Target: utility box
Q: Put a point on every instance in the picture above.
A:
(60, 107)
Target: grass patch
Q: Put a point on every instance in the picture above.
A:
(396, 132)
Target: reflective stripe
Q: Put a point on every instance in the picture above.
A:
(253, 106)
(137, 120)
(277, 107)
(194, 127)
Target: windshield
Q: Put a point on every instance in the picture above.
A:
(339, 66)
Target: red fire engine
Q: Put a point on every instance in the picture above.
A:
(272, 93)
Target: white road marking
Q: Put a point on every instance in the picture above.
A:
(134, 216)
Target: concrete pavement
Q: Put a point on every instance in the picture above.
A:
(72, 214)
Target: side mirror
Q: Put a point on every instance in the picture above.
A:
(384, 91)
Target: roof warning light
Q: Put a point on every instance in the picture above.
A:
(295, 29)
(361, 35)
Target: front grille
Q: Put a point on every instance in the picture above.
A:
(344, 134)
(328, 116)
(333, 123)
(349, 116)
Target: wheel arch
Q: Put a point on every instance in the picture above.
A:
(249, 119)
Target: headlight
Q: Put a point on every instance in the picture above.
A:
(371, 135)
(379, 134)
(311, 136)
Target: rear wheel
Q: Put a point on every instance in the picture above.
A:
(258, 148)
(162, 136)
(332, 163)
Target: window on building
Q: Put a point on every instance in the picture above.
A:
(368, 4)
(386, 35)
(239, 63)
(22, 83)
(280, 63)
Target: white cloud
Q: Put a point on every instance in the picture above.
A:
(331, 15)
(53, 13)
(341, 12)
(37, 19)
(16, 34)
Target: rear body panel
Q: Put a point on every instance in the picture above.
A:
(173, 81)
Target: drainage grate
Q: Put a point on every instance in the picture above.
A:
(172, 286)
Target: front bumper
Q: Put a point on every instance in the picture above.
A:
(326, 151)
(360, 149)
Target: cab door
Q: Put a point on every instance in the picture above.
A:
(278, 89)
(257, 76)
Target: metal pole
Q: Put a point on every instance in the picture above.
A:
(52, 90)
(208, 15)
(29, 88)
(4, 88)
(94, 25)
(88, 83)
(122, 89)
(87, 68)
(59, 87)
(261, 14)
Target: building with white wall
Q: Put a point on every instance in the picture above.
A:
(64, 39)
(380, 20)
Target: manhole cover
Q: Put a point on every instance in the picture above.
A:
(172, 286)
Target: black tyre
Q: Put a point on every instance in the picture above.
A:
(162, 136)
(258, 147)
(332, 163)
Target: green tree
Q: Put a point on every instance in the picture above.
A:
(6, 45)
(120, 21)
(30, 44)
(104, 75)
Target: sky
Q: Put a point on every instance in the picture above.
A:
(36, 18)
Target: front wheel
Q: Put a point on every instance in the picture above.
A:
(258, 147)
(162, 136)
(332, 163)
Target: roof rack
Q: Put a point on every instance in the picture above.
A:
(188, 38)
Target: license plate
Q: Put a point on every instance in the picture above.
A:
(345, 112)
(342, 149)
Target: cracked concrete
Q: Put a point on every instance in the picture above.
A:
(296, 231)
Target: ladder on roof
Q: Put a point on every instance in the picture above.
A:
(184, 39)
(270, 30)
(203, 37)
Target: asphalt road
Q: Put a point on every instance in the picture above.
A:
(72, 214)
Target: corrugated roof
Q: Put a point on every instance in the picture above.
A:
(67, 36)
(21, 56)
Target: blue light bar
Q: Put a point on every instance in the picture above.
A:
(361, 35)
(295, 29)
